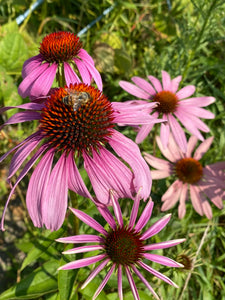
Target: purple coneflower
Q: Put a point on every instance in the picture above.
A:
(203, 182)
(61, 56)
(76, 125)
(172, 105)
(123, 247)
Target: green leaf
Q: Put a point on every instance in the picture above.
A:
(13, 52)
(41, 247)
(41, 281)
(8, 92)
(66, 277)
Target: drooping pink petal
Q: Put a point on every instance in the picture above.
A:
(178, 133)
(31, 64)
(85, 75)
(95, 74)
(197, 111)
(55, 198)
(145, 216)
(104, 281)
(83, 262)
(29, 106)
(37, 186)
(145, 282)
(130, 152)
(134, 90)
(186, 92)
(70, 75)
(83, 249)
(157, 274)
(156, 83)
(160, 174)
(85, 56)
(82, 238)
(166, 81)
(171, 201)
(22, 116)
(25, 170)
(144, 85)
(163, 245)
(173, 189)
(88, 220)
(175, 83)
(183, 199)
(164, 132)
(207, 210)
(198, 101)
(119, 280)
(132, 284)
(21, 154)
(203, 148)
(105, 172)
(163, 260)
(196, 200)
(156, 227)
(75, 181)
(95, 272)
(43, 83)
(143, 133)
(26, 84)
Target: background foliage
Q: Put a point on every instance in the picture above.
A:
(139, 38)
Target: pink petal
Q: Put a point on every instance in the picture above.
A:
(70, 75)
(143, 132)
(31, 64)
(95, 74)
(169, 203)
(178, 133)
(144, 85)
(145, 282)
(164, 132)
(157, 274)
(85, 56)
(117, 210)
(26, 84)
(198, 101)
(183, 199)
(145, 216)
(22, 116)
(175, 83)
(196, 200)
(119, 279)
(158, 163)
(88, 220)
(160, 174)
(83, 249)
(163, 260)
(185, 92)
(75, 181)
(173, 189)
(203, 148)
(132, 284)
(130, 152)
(82, 238)
(43, 83)
(55, 197)
(95, 272)
(197, 111)
(206, 208)
(156, 83)
(166, 81)
(134, 90)
(169, 154)
(20, 177)
(134, 211)
(30, 106)
(191, 145)
(156, 227)
(107, 216)
(37, 186)
(79, 263)
(163, 245)
(104, 281)
(85, 75)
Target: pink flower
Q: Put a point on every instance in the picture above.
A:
(122, 247)
(59, 53)
(173, 105)
(76, 125)
(203, 183)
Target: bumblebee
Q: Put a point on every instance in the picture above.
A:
(76, 99)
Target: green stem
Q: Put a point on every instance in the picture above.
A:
(192, 54)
